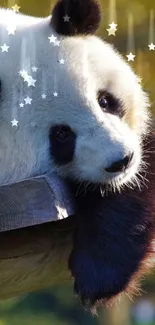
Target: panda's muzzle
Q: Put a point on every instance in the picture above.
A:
(120, 165)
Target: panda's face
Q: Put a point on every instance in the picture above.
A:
(97, 121)
(101, 115)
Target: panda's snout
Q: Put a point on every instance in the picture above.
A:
(120, 165)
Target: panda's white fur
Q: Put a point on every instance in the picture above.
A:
(90, 65)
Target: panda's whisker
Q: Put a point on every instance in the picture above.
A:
(142, 179)
(78, 189)
(102, 190)
(137, 181)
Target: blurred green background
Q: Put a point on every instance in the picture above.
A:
(58, 305)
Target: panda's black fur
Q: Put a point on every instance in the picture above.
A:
(85, 17)
(113, 244)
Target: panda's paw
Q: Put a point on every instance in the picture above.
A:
(96, 281)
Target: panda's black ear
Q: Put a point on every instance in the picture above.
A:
(76, 17)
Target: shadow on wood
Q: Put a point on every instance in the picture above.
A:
(35, 257)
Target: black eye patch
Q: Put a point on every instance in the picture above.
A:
(110, 104)
(62, 144)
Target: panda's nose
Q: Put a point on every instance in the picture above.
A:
(120, 165)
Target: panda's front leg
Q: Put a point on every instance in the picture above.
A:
(113, 238)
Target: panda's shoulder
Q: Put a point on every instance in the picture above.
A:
(7, 16)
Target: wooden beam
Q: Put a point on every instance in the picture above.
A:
(34, 258)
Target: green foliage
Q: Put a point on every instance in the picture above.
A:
(57, 306)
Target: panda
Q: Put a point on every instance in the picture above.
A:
(70, 104)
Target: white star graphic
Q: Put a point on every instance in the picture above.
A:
(23, 74)
(15, 8)
(26, 78)
(14, 122)
(55, 94)
(139, 80)
(57, 43)
(113, 25)
(151, 47)
(43, 96)
(28, 100)
(21, 105)
(61, 61)
(34, 69)
(11, 29)
(66, 18)
(112, 30)
(130, 57)
(52, 38)
(31, 81)
(5, 48)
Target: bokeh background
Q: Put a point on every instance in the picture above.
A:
(58, 305)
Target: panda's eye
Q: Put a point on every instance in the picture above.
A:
(110, 104)
(62, 133)
(103, 102)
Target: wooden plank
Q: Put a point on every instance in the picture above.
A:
(34, 258)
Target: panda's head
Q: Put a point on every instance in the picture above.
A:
(91, 124)
(102, 113)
